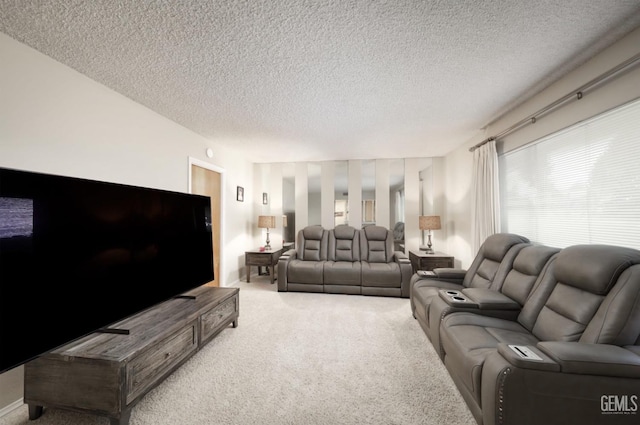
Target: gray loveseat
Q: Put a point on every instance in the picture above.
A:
(345, 260)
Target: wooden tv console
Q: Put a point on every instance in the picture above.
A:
(108, 372)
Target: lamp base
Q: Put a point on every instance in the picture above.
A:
(427, 249)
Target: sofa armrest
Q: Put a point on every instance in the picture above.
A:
(455, 298)
(455, 276)
(283, 264)
(405, 272)
(527, 357)
(448, 273)
(291, 253)
(481, 299)
(488, 299)
(400, 256)
(517, 391)
(592, 359)
(574, 357)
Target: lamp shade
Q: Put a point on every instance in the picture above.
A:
(267, 221)
(429, 222)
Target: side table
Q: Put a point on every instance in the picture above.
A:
(420, 260)
(269, 258)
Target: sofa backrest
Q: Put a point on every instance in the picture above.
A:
(344, 244)
(526, 271)
(617, 320)
(376, 244)
(493, 261)
(579, 282)
(312, 243)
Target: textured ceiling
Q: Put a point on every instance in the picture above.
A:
(294, 80)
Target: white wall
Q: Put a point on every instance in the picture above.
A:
(55, 120)
(459, 165)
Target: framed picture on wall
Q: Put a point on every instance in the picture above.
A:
(265, 198)
(240, 194)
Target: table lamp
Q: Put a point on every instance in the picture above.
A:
(429, 222)
(267, 222)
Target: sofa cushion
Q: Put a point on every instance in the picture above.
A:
(376, 244)
(494, 260)
(594, 268)
(468, 338)
(527, 267)
(422, 297)
(381, 274)
(377, 252)
(344, 231)
(342, 273)
(344, 244)
(305, 272)
(617, 320)
(584, 275)
(566, 314)
(312, 244)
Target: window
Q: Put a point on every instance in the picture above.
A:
(579, 185)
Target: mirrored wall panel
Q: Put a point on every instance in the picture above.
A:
(288, 202)
(426, 186)
(396, 202)
(314, 194)
(368, 192)
(341, 200)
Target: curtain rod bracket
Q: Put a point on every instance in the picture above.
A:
(484, 142)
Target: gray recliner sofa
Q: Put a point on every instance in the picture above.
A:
(570, 356)
(345, 260)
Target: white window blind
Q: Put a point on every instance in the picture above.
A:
(578, 186)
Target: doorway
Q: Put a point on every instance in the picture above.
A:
(206, 179)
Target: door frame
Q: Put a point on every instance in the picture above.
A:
(221, 171)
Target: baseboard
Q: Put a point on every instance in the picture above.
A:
(11, 407)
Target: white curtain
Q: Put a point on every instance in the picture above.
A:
(485, 209)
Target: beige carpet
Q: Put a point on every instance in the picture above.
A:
(299, 358)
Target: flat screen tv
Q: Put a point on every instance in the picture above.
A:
(77, 255)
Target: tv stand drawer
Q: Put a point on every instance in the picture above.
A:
(148, 368)
(213, 320)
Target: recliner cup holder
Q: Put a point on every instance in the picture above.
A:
(458, 298)
(452, 292)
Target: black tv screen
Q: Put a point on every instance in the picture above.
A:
(77, 255)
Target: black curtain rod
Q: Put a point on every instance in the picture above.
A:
(574, 95)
